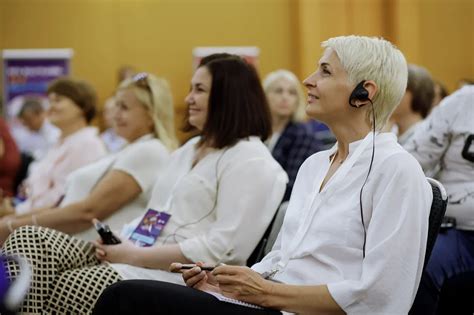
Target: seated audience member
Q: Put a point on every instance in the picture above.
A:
(117, 187)
(292, 141)
(72, 107)
(43, 135)
(221, 191)
(354, 236)
(9, 163)
(440, 92)
(416, 102)
(112, 140)
(446, 138)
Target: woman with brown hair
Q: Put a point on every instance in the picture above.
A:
(72, 108)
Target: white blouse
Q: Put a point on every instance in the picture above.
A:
(439, 143)
(219, 208)
(143, 159)
(321, 238)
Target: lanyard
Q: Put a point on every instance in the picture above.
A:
(318, 197)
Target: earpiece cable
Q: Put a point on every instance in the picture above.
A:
(365, 181)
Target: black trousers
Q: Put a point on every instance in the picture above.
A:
(156, 297)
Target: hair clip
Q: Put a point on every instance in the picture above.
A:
(139, 76)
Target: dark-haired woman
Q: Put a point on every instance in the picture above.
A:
(221, 190)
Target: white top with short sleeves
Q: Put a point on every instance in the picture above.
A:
(143, 159)
(219, 208)
(396, 202)
(445, 140)
(45, 185)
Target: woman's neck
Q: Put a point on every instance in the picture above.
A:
(201, 151)
(346, 134)
(71, 128)
(134, 138)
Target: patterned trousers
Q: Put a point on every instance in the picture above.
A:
(67, 278)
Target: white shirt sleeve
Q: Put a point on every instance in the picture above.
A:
(432, 138)
(395, 245)
(243, 212)
(143, 162)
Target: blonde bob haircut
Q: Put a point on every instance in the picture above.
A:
(154, 93)
(268, 84)
(371, 58)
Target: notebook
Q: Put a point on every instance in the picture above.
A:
(222, 298)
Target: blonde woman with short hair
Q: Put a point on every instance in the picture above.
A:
(347, 245)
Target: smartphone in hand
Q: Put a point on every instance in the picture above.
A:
(108, 238)
(191, 266)
(178, 267)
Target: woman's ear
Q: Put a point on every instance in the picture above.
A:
(372, 88)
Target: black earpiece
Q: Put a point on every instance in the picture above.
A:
(359, 94)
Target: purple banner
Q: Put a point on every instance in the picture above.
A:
(23, 77)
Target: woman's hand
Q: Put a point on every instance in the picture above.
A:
(244, 284)
(6, 207)
(197, 278)
(118, 253)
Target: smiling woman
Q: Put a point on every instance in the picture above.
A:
(198, 98)
(117, 187)
(72, 108)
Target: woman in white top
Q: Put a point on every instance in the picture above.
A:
(117, 187)
(354, 235)
(72, 108)
(221, 190)
(114, 189)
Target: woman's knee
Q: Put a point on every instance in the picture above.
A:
(24, 232)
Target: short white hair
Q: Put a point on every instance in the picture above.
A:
(299, 114)
(371, 58)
